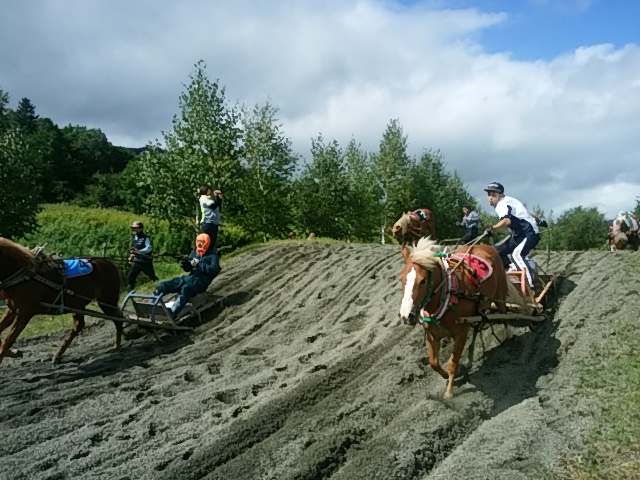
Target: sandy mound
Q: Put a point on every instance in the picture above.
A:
(306, 373)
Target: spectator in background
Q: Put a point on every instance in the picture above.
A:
(210, 206)
(470, 223)
(140, 255)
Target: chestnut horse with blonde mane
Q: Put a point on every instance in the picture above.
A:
(470, 277)
(412, 226)
(27, 280)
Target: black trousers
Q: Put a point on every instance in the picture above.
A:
(210, 229)
(136, 268)
(519, 247)
(469, 234)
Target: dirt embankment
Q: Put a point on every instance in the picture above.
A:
(306, 373)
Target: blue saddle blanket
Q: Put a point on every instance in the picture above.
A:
(77, 266)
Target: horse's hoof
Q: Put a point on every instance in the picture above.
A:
(55, 360)
(14, 354)
(448, 395)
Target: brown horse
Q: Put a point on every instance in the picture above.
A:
(624, 231)
(26, 282)
(432, 283)
(412, 226)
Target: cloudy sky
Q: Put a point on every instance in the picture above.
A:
(540, 95)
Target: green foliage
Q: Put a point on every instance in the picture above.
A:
(4, 111)
(54, 160)
(392, 167)
(132, 192)
(202, 148)
(232, 237)
(269, 165)
(440, 191)
(102, 191)
(322, 193)
(73, 231)
(25, 116)
(579, 229)
(20, 193)
(361, 210)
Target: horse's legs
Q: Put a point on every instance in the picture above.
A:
(434, 354)
(454, 361)
(16, 329)
(118, 344)
(7, 319)
(78, 325)
(114, 312)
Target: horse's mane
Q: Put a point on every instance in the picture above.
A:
(423, 253)
(22, 255)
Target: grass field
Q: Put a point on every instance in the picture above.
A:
(612, 375)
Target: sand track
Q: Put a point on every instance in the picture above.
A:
(306, 373)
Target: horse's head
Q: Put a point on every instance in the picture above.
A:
(400, 228)
(417, 278)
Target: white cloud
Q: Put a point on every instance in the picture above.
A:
(559, 134)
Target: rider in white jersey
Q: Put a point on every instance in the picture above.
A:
(514, 216)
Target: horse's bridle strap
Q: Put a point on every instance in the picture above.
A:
(17, 278)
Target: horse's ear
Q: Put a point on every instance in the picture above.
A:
(405, 253)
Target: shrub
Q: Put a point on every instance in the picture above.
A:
(76, 231)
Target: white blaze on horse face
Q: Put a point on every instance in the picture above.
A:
(407, 296)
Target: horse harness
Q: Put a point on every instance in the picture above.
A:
(450, 294)
(417, 218)
(27, 274)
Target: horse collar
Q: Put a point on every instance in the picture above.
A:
(446, 297)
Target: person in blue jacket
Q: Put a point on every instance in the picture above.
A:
(203, 265)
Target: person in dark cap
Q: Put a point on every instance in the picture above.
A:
(140, 255)
(525, 233)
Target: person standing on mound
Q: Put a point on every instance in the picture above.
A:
(210, 206)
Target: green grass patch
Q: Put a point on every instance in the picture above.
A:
(612, 375)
